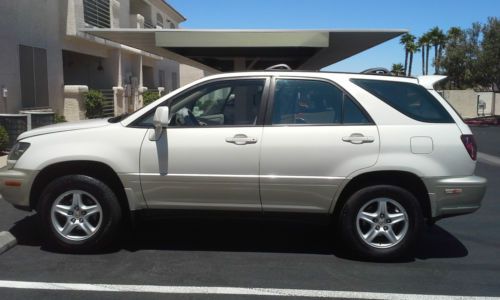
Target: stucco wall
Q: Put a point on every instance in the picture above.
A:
(35, 24)
(53, 25)
(465, 102)
(189, 74)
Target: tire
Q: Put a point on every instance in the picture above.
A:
(79, 213)
(369, 230)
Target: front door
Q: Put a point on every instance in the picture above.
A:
(314, 138)
(209, 156)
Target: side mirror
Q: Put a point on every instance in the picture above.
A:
(160, 122)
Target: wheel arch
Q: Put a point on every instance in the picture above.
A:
(407, 180)
(95, 169)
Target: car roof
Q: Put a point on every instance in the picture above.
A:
(312, 74)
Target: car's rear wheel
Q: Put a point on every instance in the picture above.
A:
(79, 213)
(382, 222)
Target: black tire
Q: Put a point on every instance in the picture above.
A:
(349, 222)
(106, 198)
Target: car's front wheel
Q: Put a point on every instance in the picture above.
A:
(382, 221)
(79, 213)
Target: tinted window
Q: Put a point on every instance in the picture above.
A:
(232, 102)
(410, 99)
(298, 101)
(306, 102)
(352, 114)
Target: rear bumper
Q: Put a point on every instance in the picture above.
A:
(451, 196)
(15, 186)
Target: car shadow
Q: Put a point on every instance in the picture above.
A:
(273, 236)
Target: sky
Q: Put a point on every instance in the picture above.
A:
(417, 16)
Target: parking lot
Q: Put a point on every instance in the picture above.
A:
(191, 259)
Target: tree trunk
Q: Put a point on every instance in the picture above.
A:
(438, 59)
(423, 59)
(411, 63)
(406, 60)
(435, 59)
(427, 50)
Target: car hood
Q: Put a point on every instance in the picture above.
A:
(64, 127)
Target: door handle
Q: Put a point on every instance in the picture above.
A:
(358, 138)
(241, 139)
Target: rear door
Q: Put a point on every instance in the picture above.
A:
(315, 136)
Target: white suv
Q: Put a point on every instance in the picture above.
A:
(378, 154)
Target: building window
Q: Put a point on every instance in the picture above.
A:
(159, 21)
(97, 13)
(34, 82)
(161, 79)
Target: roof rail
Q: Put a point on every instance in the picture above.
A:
(379, 71)
(279, 67)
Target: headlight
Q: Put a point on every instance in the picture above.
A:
(18, 150)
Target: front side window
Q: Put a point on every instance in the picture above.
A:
(313, 102)
(223, 103)
(408, 98)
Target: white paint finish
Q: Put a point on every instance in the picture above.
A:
(318, 152)
(428, 81)
(94, 140)
(448, 158)
(421, 145)
(182, 155)
(214, 290)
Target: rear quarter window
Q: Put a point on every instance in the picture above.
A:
(410, 99)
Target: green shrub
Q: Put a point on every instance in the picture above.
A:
(59, 118)
(4, 139)
(94, 103)
(149, 96)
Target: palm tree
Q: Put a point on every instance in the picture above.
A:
(423, 42)
(438, 40)
(398, 69)
(405, 39)
(411, 48)
(454, 33)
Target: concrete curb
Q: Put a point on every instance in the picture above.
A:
(7, 241)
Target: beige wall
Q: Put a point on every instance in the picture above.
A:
(35, 24)
(53, 25)
(189, 74)
(465, 102)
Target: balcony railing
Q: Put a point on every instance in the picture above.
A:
(97, 13)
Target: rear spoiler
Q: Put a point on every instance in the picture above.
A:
(428, 81)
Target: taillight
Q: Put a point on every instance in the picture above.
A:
(470, 145)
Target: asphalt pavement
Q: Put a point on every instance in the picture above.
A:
(457, 256)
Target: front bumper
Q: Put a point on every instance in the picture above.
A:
(15, 186)
(451, 196)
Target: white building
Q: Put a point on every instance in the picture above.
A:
(47, 61)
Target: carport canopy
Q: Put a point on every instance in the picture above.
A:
(237, 50)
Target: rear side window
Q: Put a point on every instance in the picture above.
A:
(301, 101)
(410, 99)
